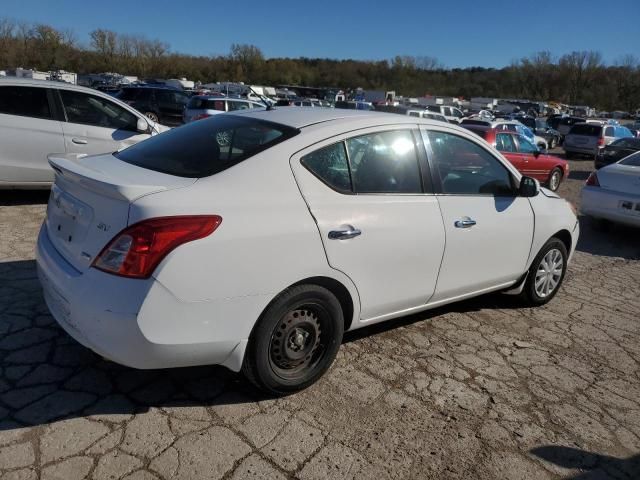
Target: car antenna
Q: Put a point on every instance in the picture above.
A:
(267, 105)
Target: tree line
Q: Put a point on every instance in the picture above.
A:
(576, 78)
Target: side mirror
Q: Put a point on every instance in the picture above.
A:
(143, 126)
(528, 187)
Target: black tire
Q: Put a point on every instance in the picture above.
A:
(568, 155)
(599, 224)
(295, 340)
(555, 179)
(151, 116)
(530, 294)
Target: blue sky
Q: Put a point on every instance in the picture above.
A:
(459, 33)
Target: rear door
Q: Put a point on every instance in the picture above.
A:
(377, 223)
(29, 131)
(488, 228)
(96, 124)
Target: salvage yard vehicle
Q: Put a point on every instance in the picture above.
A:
(588, 138)
(612, 194)
(159, 103)
(550, 170)
(204, 106)
(39, 117)
(616, 150)
(259, 251)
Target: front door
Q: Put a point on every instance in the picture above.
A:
(377, 224)
(489, 229)
(96, 124)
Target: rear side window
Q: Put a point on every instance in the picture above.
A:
(25, 101)
(632, 160)
(384, 162)
(206, 147)
(233, 105)
(330, 165)
(586, 129)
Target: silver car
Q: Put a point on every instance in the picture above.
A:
(203, 106)
(39, 117)
(587, 138)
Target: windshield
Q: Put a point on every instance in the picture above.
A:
(206, 147)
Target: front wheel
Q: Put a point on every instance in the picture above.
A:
(295, 341)
(546, 273)
(554, 179)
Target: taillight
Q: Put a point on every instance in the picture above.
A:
(601, 142)
(138, 249)
(592, 181)
(200, 116)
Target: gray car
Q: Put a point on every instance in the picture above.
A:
(587, 138)
(203, 106)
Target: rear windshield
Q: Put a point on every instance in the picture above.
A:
(206, 147)
(632, 160)
(627, 143)
(586, 129)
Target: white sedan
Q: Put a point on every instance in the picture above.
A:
(613, 193)
(255, 240)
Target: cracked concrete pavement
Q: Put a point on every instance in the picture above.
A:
(483, 389)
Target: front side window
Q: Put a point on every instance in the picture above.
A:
(505, 143)
(206, 147)
(25, 101)
(526, 146)
(384, 162)
(97, 111)
(465, 168)
(330, 165)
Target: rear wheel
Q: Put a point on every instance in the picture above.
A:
(546, 273)
(295, 341)
(554, 179)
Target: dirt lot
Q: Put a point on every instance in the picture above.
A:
(480, 390)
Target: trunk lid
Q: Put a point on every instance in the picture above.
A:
(89, 202)
(620, 178)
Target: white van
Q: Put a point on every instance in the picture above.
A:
(40, 117)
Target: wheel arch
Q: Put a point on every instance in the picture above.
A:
(339, 290)
(565, 237)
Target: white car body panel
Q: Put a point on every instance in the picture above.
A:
(617, 199)
(25, 142)
(203, 300)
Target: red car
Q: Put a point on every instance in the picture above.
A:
(549, 170)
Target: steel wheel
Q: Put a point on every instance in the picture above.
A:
(549, 273)
(296, 343)
(554, 179)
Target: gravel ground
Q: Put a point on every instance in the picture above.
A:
(483, 389)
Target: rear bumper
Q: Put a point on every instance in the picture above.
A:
(136, 323)
(579, 149)
(604, 204)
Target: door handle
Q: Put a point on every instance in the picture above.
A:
(344, 234)
(466, 222)
(79, 141)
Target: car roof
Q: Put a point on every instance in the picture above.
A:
(44, 83)
(305, 117)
